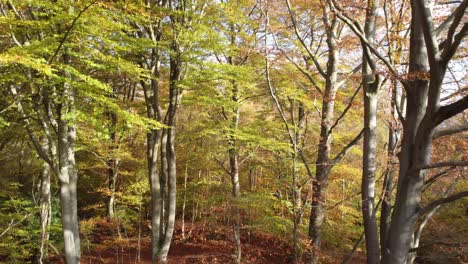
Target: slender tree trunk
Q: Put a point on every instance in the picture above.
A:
(153, 139)
(252, 172)
(46, 211)
(112, 179)
(234, 173)
(68, 176)
(323, 161)
(112, 166)
(318, 211)
(371, 84)
(184, 200)
(393, 134)
(163, 180)
(174, 100)
(140, 220)
(68, 194)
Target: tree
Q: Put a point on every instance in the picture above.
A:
(428, 63)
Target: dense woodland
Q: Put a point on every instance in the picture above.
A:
(233, 131)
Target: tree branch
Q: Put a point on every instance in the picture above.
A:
(450, 50)
(449, 131)
(448, 111)
(13, 223)
(442, 201)
(437, 243)
(346, 109)
(68, 31)
(445, 164)
(356, 28)
(296, 31)
(348, 147)
(457, 18)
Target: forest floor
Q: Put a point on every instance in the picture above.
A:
(202, 244)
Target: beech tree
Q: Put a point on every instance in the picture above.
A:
(429, 59)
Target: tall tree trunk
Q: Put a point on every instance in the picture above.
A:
(68, 175)
(68, 193)
(424, 114)
(410, 183)
(174, 100)
(323, 161)
(153, 139)
(393, 134)
(184, 201)
(234, 173)
(371, 84)
(112, 167)
(46, 211)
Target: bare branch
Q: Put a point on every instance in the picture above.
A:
(442, 201)
(448, 111)
(13, 223)
(346, 109)
(450, 50)
(40, 150)
(445, 164)
(457, 18)
(434, 178)
(449, 131)
(348, 147)
(296, 31)
(357, 29)
(429, 38)
(437, 243)
(68, 31)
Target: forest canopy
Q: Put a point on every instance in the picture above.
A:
(233, 131)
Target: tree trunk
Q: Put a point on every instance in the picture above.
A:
(393, 134)
(68, 175)
(323, 161)
(174, 100)
(112, 167)
(234, 173)
(410, 181)
(417, 234)
(153, 139)
(46, 210)
(184, 201)
(68, 193)
(371, 84)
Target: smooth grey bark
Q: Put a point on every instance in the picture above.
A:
(184, 201)
(233, 152)
(46, 211)
(68, 176)
(175, 94)
(153, 138)
(234, 174)
(371, 83)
